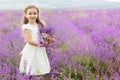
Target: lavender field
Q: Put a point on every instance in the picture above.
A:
(87, 44)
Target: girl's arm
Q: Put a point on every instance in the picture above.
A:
(29, 39)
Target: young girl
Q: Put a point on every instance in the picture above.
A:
(34, 59)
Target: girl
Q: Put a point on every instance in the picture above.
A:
(34, 59)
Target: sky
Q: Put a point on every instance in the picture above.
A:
(58, 4)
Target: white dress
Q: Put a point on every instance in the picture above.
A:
(34, 60)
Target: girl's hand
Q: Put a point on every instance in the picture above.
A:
(48, 44)
(52, 40)
(41, 45)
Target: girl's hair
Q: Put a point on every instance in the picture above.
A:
(38, 20)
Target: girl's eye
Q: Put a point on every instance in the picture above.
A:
(30, 13)
(35, 13)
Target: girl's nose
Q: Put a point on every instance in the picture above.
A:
(32, 14)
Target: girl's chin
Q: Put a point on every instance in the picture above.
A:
(32, 21)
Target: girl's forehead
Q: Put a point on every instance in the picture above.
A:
(32, 10)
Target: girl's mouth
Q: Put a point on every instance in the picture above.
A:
(32, 18)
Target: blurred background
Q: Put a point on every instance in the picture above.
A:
(59, 4)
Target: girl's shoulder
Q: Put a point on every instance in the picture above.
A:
(26, 26)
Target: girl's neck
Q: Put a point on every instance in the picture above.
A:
(32, 23)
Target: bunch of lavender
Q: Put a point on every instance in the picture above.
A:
(44, 35)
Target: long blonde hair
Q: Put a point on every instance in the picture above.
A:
(38, 20)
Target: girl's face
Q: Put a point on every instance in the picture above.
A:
(31, 15)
